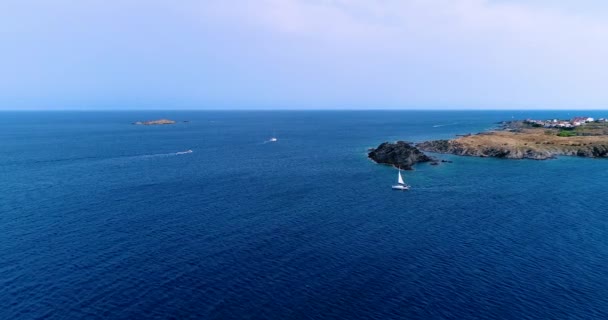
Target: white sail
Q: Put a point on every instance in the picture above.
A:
(400, 179)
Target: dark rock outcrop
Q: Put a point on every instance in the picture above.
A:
(593, 151)
(399, 154)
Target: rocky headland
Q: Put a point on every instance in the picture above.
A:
(523, 140)
(154, 122)
(399, 154)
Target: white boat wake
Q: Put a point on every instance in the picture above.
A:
(271, 140)
(118, 159)
(163, 154)
(443, 125)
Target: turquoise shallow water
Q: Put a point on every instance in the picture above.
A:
(102, 219)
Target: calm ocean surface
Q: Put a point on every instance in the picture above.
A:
(101, 219)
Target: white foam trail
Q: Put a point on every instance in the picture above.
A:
(443, 125)
(163, 154)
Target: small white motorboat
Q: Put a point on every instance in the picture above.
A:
(273, 139)
(400, 183)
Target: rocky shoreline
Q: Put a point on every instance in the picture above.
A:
(518, 140)
(456, 147)
(512, 140)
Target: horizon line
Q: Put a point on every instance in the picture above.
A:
(298, 109)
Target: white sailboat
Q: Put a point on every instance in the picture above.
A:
(400, 183)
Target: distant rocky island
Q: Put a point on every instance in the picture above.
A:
(531, 139)
(154, 122)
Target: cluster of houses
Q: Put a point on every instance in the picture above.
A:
(555, 123)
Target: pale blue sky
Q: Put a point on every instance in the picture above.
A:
(301, 54)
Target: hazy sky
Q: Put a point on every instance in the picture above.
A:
(341, 54)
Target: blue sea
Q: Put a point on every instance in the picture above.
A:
(102, 219)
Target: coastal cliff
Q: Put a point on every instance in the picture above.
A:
(523, 143)
(460, 148)
(399, 154)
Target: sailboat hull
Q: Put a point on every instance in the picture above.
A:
(401, 187)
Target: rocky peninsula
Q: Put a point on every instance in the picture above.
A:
(399, 154)
(529, 139)
(154, 122)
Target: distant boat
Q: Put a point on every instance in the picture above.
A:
(274, 137)
(400, 183)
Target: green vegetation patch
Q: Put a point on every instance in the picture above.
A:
(566, 133)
